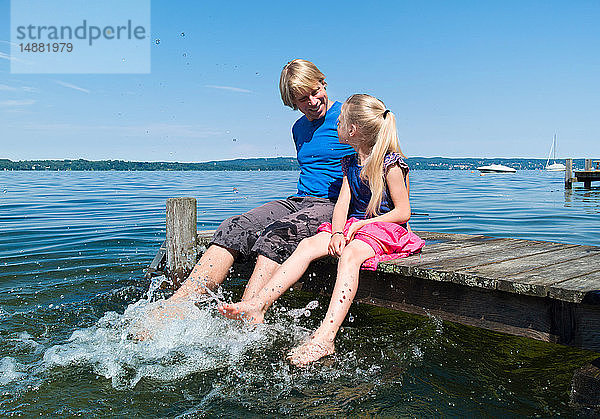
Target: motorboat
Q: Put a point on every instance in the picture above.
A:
(496, 168)
(554, 167)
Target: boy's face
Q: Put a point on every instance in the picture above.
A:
(313, 103)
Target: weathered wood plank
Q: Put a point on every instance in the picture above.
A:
(506, 249)
(512, 267)
(515, 275)
(577, 289)
(454, 237)
(449, 266)
(541, 280)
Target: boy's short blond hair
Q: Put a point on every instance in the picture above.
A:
(298, 77)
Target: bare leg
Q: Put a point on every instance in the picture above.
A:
(321, 342)
(263, 271)
(288, 273)
(210, 271)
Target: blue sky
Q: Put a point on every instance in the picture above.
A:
(465, 79)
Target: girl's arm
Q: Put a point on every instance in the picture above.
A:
(340, 214)
(399, 195)
(340, 211)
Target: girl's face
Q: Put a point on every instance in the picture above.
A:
(342, 128)
(347, 132)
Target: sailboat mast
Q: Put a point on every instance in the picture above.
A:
(550, 153)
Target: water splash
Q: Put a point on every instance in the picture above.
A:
(300, 312)
(10, 370)
(164, 342)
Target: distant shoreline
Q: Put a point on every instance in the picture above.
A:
(255, 164)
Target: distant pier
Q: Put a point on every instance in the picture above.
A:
(591, 172)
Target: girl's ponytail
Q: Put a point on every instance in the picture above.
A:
(386, 141)
(377, 128)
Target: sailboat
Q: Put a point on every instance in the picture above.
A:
(554, 167)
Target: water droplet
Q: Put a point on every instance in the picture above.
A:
(157, 41)
(184, 54)
(234, 140)
(182, 34)
(312, 305)
(351, 318)
(307, 313)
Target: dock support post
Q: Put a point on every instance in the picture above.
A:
(587, 183)
(182, 251)
(585, 389)
(569, 174)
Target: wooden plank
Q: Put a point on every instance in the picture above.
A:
(437, 248)
(542, 279)
(205, 236)
(511, 273)
(577, 289)
(449, 266)
(496, 252)
(157, 261)
(454, 237)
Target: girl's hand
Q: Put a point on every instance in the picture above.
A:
(353, 229)
(336, 245)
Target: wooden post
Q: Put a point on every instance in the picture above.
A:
(587, 183)
(585, 389)
(182, 251)
(569, 174)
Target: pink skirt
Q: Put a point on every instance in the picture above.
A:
(388, 240)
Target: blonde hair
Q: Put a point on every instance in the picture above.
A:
(376, 128)
(297, 77)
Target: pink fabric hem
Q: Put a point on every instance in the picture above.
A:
(388, 240)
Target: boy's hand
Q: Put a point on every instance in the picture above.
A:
(336, 245)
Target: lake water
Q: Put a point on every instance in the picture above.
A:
(73, 246)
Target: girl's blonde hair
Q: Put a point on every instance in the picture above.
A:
(376, 127)
(298, 77)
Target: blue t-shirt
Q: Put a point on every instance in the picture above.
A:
(360, 191)
(319, 153)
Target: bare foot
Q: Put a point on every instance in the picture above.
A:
(310, 351)
(244, 310)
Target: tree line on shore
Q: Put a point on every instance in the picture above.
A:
(276, 163)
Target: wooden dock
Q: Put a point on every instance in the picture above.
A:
(587, 175)
(541, 290)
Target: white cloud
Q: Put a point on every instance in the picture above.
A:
(72, 86)
(9, 58)
(24, 102)
(230, 88)
(9, 88)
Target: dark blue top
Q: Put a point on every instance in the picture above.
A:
(359, 190)
(319, 155)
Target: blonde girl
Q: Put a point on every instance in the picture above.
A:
(369, 224)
